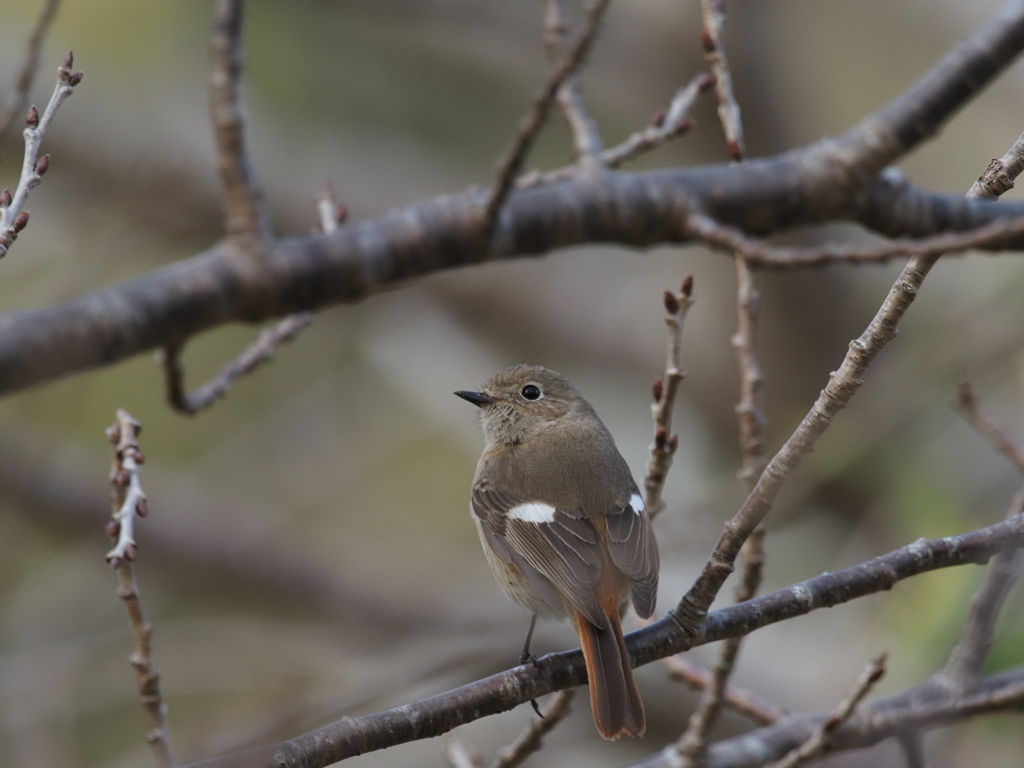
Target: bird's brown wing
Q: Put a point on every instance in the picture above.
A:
(559, 557)
(634, 551)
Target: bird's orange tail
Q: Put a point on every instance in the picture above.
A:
(614, 697)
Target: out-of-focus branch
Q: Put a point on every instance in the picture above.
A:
(529, 741)
(967, 403)
(665, 389)
(129, 501)
(18, 97)
(530, 126)
(669, 124)
(741, 701)
(586, 137)
(13, 216)
(820, 741)
(259, 352)
(352, 736)
(245, 213)
(842, 385)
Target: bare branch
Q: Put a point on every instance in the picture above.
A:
(13, 216)
(437, 715)
(245, 213)
(26, 73)
(739, 700)
(529, 741)
(129, 501)
(842, 385)
(259, 352)
(967, 403)
(713, 20)
(665, 389)
(457, 755)
(969, 654)
(534, 120)
(804, 186)
(586, 137)
(665, 126)
(818, 744)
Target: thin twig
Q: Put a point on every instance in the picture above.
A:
(968, 656)
(30, 64)
(843, 383)
(912, 746)
(668, 124)
(818, 743)
(741, 701)
(13, 216)
(967, 403)
(534, 120)
(999, 176)
(701, 227)
(529, 741)
(586, 137)
(693, 743)
(331, 213)
(259, 352)
(665, 388)
(245, 213)
(713, 19)
(129, 501)
(458, 756)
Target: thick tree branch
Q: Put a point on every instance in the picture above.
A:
(352, 736)
(836, 179)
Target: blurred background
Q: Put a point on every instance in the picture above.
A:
(309, 552)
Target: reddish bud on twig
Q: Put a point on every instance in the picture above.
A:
(142, 507)
(32, 118)
(660, 438)
(20, 221)
(706, 82)
(687, 289)
(131, 552)
(707, 41)
(69, 60)
(673, 443)
(75, 79)
(671, 302)
(140, 457)
(115, 562)
(113, 528)
(121, 477)
(5, 198)
(658, 388)
(658, 118)
(341, 213)
(43, 165)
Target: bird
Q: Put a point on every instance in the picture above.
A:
(564, 527)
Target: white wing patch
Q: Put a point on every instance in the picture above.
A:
(636, 503)
(533, 512)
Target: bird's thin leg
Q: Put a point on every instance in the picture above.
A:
(527, 657)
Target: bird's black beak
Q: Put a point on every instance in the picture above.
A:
(479, 399)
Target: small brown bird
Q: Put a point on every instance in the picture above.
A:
(564, 527)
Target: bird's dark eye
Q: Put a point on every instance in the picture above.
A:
(531, 392)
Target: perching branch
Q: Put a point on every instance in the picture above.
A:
(431, 717)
